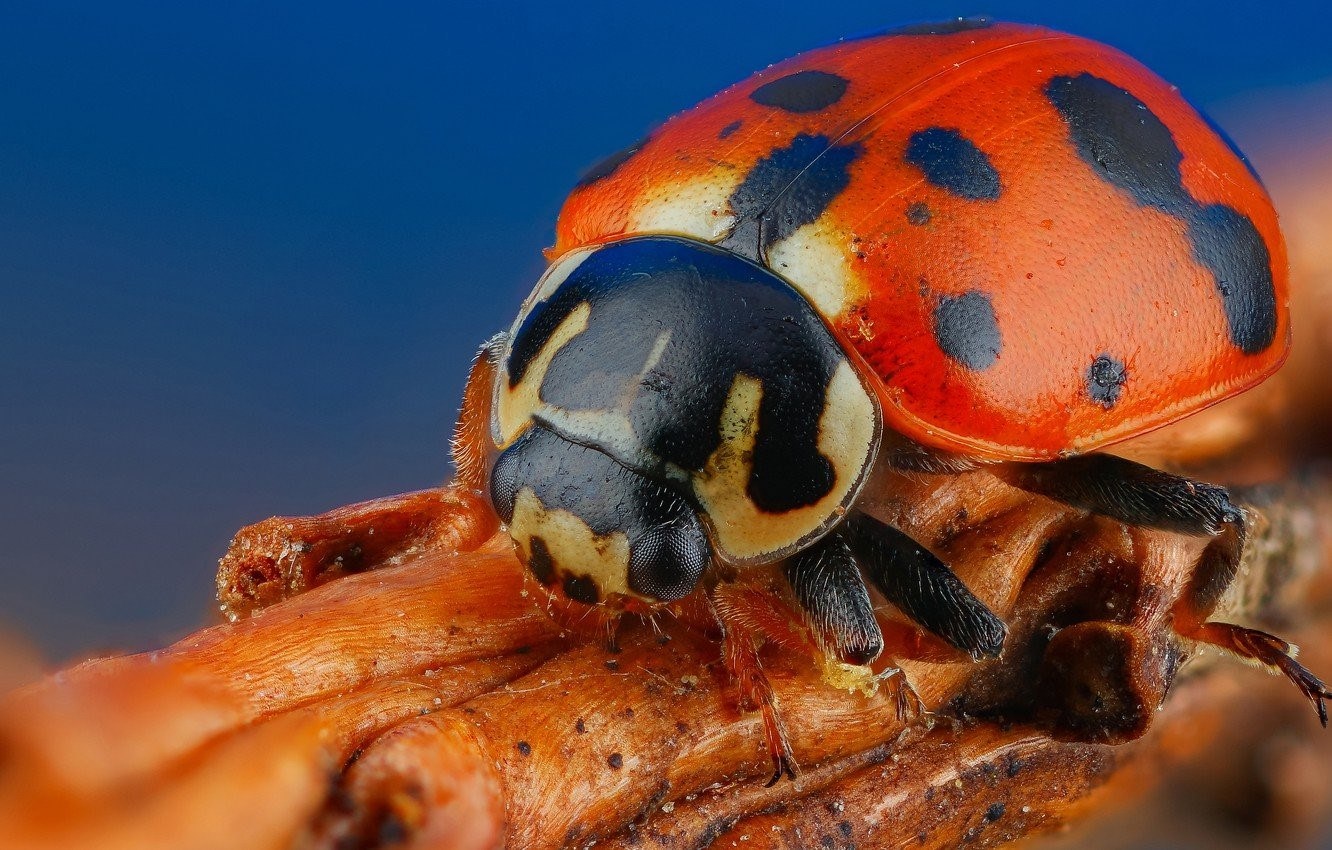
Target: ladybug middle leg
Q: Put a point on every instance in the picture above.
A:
(924, 588)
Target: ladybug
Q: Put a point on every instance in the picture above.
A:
(938, 248)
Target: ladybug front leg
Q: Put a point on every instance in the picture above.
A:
(827, 583)
(749, 615)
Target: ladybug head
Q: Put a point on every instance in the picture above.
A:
(586, 524)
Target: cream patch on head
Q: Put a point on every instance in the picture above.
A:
(848, 437)
(514, 405)
(699, 208)
(575, 550)
(814, 260)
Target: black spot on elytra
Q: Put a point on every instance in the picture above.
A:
(1105, 380)
(785, 190)
(1225, 241)
(1132, 149)
(609, 165)
(729, 129)
(582, 589)
(994, 812)
(803, 91)
(616, 761)
(919, 214)
(524, 748)
(951, 161)
(966, 329)
(540, 561)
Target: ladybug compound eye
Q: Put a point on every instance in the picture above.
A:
(504, 485)
(581, 520)
(667, 560)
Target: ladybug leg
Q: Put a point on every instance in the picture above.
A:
(1140, 495)
(1269, 651)
(1212, 576)
(925, 588)
(747, 616)
(827, 583)
(470, 440)
(1130, 492)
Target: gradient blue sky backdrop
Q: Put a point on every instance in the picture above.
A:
(246, 249)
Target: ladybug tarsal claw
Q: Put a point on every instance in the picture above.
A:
(782, 765)
(1270, 651)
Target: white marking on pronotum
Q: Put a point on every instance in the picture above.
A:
(848, 437)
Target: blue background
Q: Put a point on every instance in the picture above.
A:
(246, 251)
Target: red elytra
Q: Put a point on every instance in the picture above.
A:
(1038, 246)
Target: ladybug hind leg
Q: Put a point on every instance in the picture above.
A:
(1142, 496)
(1130, 492)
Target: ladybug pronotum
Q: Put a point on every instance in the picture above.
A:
(937, 248)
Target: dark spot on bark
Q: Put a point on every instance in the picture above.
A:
(994, 812)
(580, 726)
(392, 830)
(729, 129)
(524, 748)
(616, 761)
(967, 331)
(952, 162)
(803, 91)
